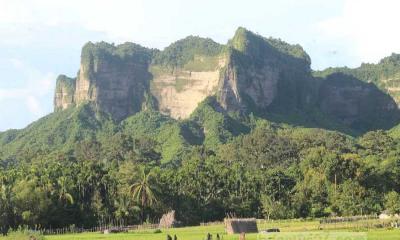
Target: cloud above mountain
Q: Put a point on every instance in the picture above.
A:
(369, 26)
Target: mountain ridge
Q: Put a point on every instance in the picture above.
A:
(263, 79)
(250, 73)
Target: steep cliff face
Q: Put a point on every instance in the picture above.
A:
(385, 74)
(179, 91)
(185, 73)
(357, 104)
(266, 76)
(250, 73)
(114, 78)
(389, 75)
(64, 93)
(257, 70)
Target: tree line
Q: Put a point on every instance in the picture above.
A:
(272, 173)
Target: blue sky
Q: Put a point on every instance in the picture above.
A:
(40, 39)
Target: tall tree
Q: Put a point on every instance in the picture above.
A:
(64, 195)
(142, 191)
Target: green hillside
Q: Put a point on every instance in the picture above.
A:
(202, 167)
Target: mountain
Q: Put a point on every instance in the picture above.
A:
(199, 92)
(206, 93)
(266, 76)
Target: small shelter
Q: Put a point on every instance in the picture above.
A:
(386, 215)
(240, 225)
(168, 220)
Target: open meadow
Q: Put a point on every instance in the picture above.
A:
(199, 233)
(303, 228)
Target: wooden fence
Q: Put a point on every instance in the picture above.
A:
(355, 222)
(72, 229)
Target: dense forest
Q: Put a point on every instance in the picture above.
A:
(97, 171)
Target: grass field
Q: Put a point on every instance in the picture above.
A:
(199, 233)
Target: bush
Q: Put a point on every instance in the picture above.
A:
(24, 234)
(157, 231)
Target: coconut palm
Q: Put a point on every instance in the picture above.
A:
(122, 205)
(142, 191)
(63, 194)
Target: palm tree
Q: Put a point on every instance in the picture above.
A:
(63, 194)
(142, 192)
(122, 208)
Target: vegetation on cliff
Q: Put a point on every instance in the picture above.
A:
(385, 74)
(258, 47)
(106, 51)
(183, 51)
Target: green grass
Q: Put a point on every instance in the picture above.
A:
(202, 63)
(181, 83)
(199, 233)
(189, 233)
(384, 234)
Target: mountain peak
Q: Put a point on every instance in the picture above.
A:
(255, 45)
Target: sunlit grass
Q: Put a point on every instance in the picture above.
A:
(200, 232)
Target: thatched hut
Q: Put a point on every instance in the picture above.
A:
(240, 225)
(386, 215)
(168, 220)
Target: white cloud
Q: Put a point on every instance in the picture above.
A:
(35, 85)
(369, 26)
(35, 81)
(150, 22)
(21, 21)
(16, 63)
(34, 106)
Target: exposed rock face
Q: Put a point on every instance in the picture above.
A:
(255, 69)
(228, 91)
(113, 78)
(249, 74)
(256, 84)
(64, 93)
(356, 103)
(83, 85)
(385, 74)
(246, 72)
(389, 80)
(180, 91)
(185, 73)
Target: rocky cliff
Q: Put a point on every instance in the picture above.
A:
(64, 93)
(385, 74)
(181, 82)
(355, 103)
(260, 71)
(249, 74)
(114, 78)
